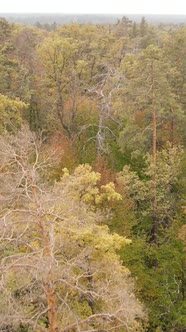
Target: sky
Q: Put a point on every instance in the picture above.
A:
(172, 7)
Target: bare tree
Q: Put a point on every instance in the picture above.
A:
(105, 85)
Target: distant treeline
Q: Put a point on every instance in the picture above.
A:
(35, 18)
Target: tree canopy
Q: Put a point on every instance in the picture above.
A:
(92, 177)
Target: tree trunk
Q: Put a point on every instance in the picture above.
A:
(51, 301)
(172, 132)
(153, 233)
(48, 280)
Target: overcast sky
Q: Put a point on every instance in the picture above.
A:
(94, 6)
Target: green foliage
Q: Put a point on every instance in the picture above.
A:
(166, 170)
(150, 76)
(10, 113)
(160, 284)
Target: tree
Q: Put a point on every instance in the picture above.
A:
(168, 166)
(7, 64)
(56, 255)
(160, 284)
(152, 104)
(64, 73)
(174, 48)
(11, 111)
(105, 85)
(150, 101)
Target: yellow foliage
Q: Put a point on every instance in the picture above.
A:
(10, 111)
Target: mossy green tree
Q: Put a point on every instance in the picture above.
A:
(59, 267)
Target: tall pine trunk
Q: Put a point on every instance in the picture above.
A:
(153, 233)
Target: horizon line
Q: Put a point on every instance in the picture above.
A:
(63, 13)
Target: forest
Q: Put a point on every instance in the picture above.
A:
(92, 177)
